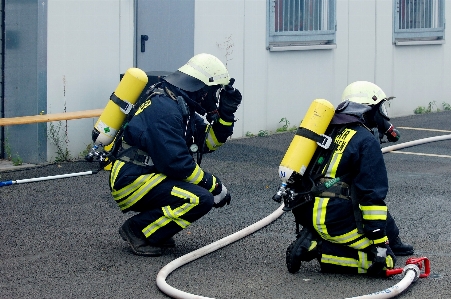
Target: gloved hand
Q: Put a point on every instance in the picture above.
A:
(385, 127)
(222, 197)
(229, 100)
(380, 260)
(392, 134)
(210, 101)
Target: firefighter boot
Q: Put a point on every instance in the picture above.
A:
(399, 248)
(137, 241)
(304, 248)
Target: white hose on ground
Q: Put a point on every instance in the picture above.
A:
(166, 270)
(411, 273)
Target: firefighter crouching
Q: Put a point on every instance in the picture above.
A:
(347, 226)
(155, 173)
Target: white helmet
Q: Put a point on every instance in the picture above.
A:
(200, 71)
(363, 92)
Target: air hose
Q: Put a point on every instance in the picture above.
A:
(411, 271)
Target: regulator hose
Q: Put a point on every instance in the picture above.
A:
(189, 257)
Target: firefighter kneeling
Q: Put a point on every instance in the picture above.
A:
(346, 224)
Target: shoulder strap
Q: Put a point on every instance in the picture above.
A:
(112, 154)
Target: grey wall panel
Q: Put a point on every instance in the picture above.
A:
(25, 76)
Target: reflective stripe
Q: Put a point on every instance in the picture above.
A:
(211, 141)
(196, 176)
(389, 262)
(213, 186)
(381, 240)
(361, 244)
(225, 123)
(340, 261)
(127, 190)
(150, 181)
(341, 141)
(319, 216)
(374, 212)
(351, 239)
(362, 264)
(173, 215)
(130, 194)
(312, 245)
(117, 165)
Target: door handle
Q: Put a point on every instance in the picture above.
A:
(144, 38)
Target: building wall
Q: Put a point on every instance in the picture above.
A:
(280, 85)
(91, 42)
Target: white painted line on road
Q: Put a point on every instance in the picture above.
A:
(421, 154)
(422, 129)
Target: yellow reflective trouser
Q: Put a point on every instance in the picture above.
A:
(130, 194)
(343, 250)
(175, 215)
(177, 199)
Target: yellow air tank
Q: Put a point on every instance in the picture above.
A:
(126, 94)
(301, 149)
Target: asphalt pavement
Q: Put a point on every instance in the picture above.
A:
(59, 238)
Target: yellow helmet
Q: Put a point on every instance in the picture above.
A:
(200, 71)
(363, 92)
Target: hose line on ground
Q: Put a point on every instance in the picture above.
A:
(169, 268)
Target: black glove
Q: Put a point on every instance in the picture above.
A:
(392, 134)
(230, 99)
(379, 265)
(210, 101)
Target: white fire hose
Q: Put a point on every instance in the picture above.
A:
(411, 271)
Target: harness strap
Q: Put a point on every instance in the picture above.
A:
(125, 106)
(322, 140)
(134, 155)
(332, 188)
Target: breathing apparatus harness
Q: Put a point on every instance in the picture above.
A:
(302, 189)
(122, 151)
(305, 185)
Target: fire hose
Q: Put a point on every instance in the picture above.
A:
(412, 270)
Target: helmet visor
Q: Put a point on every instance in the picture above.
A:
(383, 109)
(184, 81)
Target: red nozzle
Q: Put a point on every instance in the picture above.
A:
(416, 261)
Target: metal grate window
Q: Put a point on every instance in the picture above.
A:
(301, 22)
(419, 20)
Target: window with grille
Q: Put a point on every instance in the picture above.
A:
(419, 21)
(297, 23)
